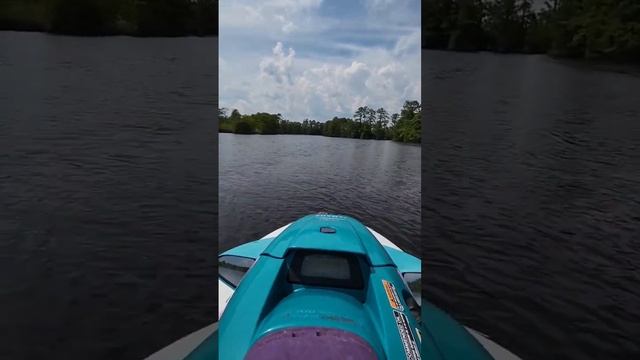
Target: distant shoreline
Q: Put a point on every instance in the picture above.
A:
(366, 123)
(594, 60)
(98, 18)
(321, 135)
(600, 63)
(110, 34)
(581, 30)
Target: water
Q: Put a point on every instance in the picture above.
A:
(108, 175)
(267, 181)
(531, 206)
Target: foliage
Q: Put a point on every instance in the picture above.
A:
(29, 15)
(87, 17)
(608, 29)
(367, 123)
(100, 17)
(407, 127)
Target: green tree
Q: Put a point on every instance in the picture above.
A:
(79, 17)
(359, 117)
(439, 20)
(507, 22)
(368, 123)
(408, 125)
(101, 17)
(373, 124)
(267, 124)
(222, 113)
(381, 125)
(607, 29)
(467, 34)
(235, 115)
(204, 20)
(243, 127)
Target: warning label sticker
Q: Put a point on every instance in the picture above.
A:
(408, 341)
(392, 295)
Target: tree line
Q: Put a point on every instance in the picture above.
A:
(366, 123)
(101, 17)
(605, 29)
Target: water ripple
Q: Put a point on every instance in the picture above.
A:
(531, 201)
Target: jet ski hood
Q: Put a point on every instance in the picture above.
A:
(331, 233)
(323, 282)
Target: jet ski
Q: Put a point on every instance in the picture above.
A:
(327, 287)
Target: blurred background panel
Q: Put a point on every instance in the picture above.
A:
(531, 173)
(108, 179)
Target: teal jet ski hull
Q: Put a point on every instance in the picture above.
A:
(367, 297)
(259, 307)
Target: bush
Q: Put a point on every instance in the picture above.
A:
(243, 127)
(78, 17)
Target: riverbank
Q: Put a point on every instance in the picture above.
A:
(591, 29)
(594, 64)
(367, 123)
(621, 65)
(167, 18)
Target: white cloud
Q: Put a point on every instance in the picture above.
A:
(380, 4)
(288, 27)
(321, 90)
(241, 15)
(393, 11)
(268, 16)
(278, 66)
(408, 44)
(288, 62)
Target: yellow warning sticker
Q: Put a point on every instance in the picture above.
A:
(392, 295)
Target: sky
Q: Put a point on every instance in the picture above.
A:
(318, 59)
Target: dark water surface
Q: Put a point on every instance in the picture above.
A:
(108, 175)
(531, 210)
(267, 181)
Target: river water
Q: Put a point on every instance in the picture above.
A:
(108, 176)
(267, 181)
(531, 201)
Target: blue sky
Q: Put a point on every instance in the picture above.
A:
(318, 58)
